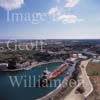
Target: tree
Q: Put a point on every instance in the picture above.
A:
(11, 64)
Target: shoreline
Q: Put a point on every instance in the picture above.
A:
(34, 65)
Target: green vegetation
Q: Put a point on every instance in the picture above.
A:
(23, 56)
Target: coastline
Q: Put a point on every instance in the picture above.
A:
(34, 65)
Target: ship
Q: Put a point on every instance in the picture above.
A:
(47, 76)
(58, 72)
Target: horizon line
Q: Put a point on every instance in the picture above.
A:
(51, 39)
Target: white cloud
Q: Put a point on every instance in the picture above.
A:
(11, 4)
(59, 14)
(54, 12)
(72, 3)
(69, 19)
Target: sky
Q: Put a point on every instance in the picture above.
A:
(49, 19)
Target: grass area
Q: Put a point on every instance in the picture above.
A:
(95, 95)
(93, 70)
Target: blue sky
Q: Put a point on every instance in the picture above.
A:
(62, 19)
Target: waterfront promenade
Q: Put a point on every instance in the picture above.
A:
(85, 81)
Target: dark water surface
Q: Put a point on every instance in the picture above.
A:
(8, 92)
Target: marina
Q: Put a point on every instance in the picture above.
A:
(31, 93)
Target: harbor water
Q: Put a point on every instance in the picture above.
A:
(8, 92)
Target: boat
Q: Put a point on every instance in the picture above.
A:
(47, 76)
(58, 72)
